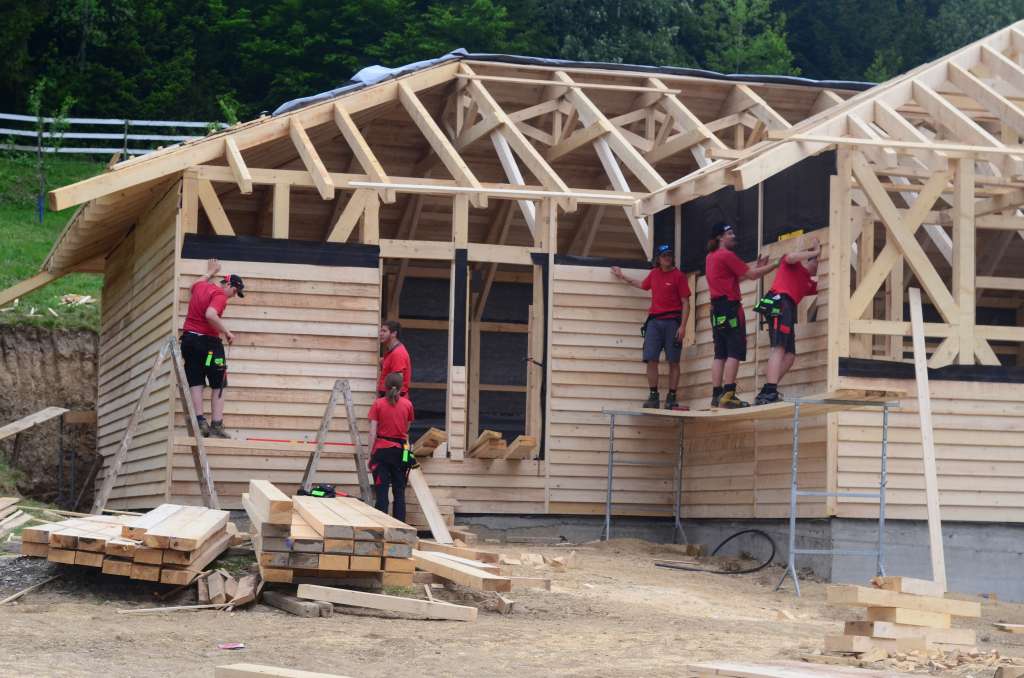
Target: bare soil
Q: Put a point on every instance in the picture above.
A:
(614, 613)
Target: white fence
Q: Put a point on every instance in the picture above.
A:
(94, 136)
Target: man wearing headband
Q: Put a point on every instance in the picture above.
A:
(666, 321)
(725, 270)
(201, 347)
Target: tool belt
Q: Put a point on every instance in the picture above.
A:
(408, 459)
(669, 315)
(724, 313)
(769, 307)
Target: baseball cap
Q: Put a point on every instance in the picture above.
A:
(662, 249)
(236, 282)
(721, 228)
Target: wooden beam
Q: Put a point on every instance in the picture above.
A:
(511, 167)
(439, 142)
(460, 220)
(578, 139)
(825, 100)
(454, 571)
(499, 233)
(964, 258)
(238, 167)
(536, 82)
(618, 180)
(406, 229)
(590, 114)
(378, 601)
(428, 505)
(361, 150)
(899, 128)
(27, 286)
(924, 408)
(861, 129)
(214, 210)
(1007, 112)
(743, 98)
(370, 233)
(903, 236)
(282, 210)
(349, 217)
(310, 158)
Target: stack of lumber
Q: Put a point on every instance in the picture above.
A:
(11, 517)
(171, 544)
(428, 442)
(491, 445)
(782, 669)
(320, 540)
(903, 614)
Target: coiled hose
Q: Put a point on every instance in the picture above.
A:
(728, 539)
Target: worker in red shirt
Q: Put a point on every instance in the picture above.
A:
(793, 281)
(724, 270)
(395, 357)
(391, 457)
(201, 347)
(665, 326)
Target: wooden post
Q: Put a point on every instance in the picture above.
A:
(100, 501)
(863, 344)
(473, 391)
(199, 459)
(924, 408)
(963, 257)
(321, 437)
(895, 283)
(281, 209)
(839, 245)
(189, 203)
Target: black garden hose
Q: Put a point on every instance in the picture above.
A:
(728, 539)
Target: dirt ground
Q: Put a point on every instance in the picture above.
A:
(614, 613)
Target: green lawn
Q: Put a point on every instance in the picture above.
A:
(24, 242)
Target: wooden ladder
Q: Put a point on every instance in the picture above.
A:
(168, 349)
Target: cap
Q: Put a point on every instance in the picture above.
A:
(236, 282)
(721, 228)
(662, 249)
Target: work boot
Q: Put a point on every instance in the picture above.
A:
(729, 401)
(204, 427)
(652, 402)
(217, 430)
(715, 399)
(670, 402)
(764, 398)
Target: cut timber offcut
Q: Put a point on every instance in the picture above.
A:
(428, 609)
(465, 575)
(261, 671)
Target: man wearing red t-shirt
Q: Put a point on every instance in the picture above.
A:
(201, 348)
(793, 282)
(666, 321)
(724, 270)
(390, 456)
(395, 357)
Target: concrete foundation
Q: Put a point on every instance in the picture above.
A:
(980, 557)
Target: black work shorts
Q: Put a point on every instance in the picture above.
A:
(204, 360)
(731, 337)
(782, 327)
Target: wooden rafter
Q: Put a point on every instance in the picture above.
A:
(237, 165)
(311, 159)
(214, 210)
(361, 150)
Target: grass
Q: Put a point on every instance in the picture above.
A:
(24, 242)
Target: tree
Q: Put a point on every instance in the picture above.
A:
(963, 21)
(621, 31)
(745, 36)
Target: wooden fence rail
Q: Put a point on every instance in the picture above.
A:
(82, 135)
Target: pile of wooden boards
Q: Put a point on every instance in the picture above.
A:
(491, 445)
(782, 669)
(327, 540)
(11, 517)
(428, 442)
(220, 588)
(903, 614)
(171, 544)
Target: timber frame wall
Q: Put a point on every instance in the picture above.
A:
(546, 161)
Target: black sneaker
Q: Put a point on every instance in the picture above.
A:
(729, 401)
(652, 402)
(768, 398)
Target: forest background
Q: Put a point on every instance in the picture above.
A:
(230, 60)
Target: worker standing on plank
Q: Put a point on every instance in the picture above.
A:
(201, 347)
(395, 357)
(665, 326)
(793, 281)
(724, 270)
(390, 456)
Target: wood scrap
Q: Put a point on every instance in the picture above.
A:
(15, 596)
(428, 442)
(429, 506)
(175, 608)
(291, 604)
(262, 671)
(464, 575)
(377, 601)
(522, 447)
(485, 439)
(1010, 628)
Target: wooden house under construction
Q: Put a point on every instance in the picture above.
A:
(481, 200)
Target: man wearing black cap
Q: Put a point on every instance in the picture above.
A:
(201, 346)
(666, 321)
(724, 270)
